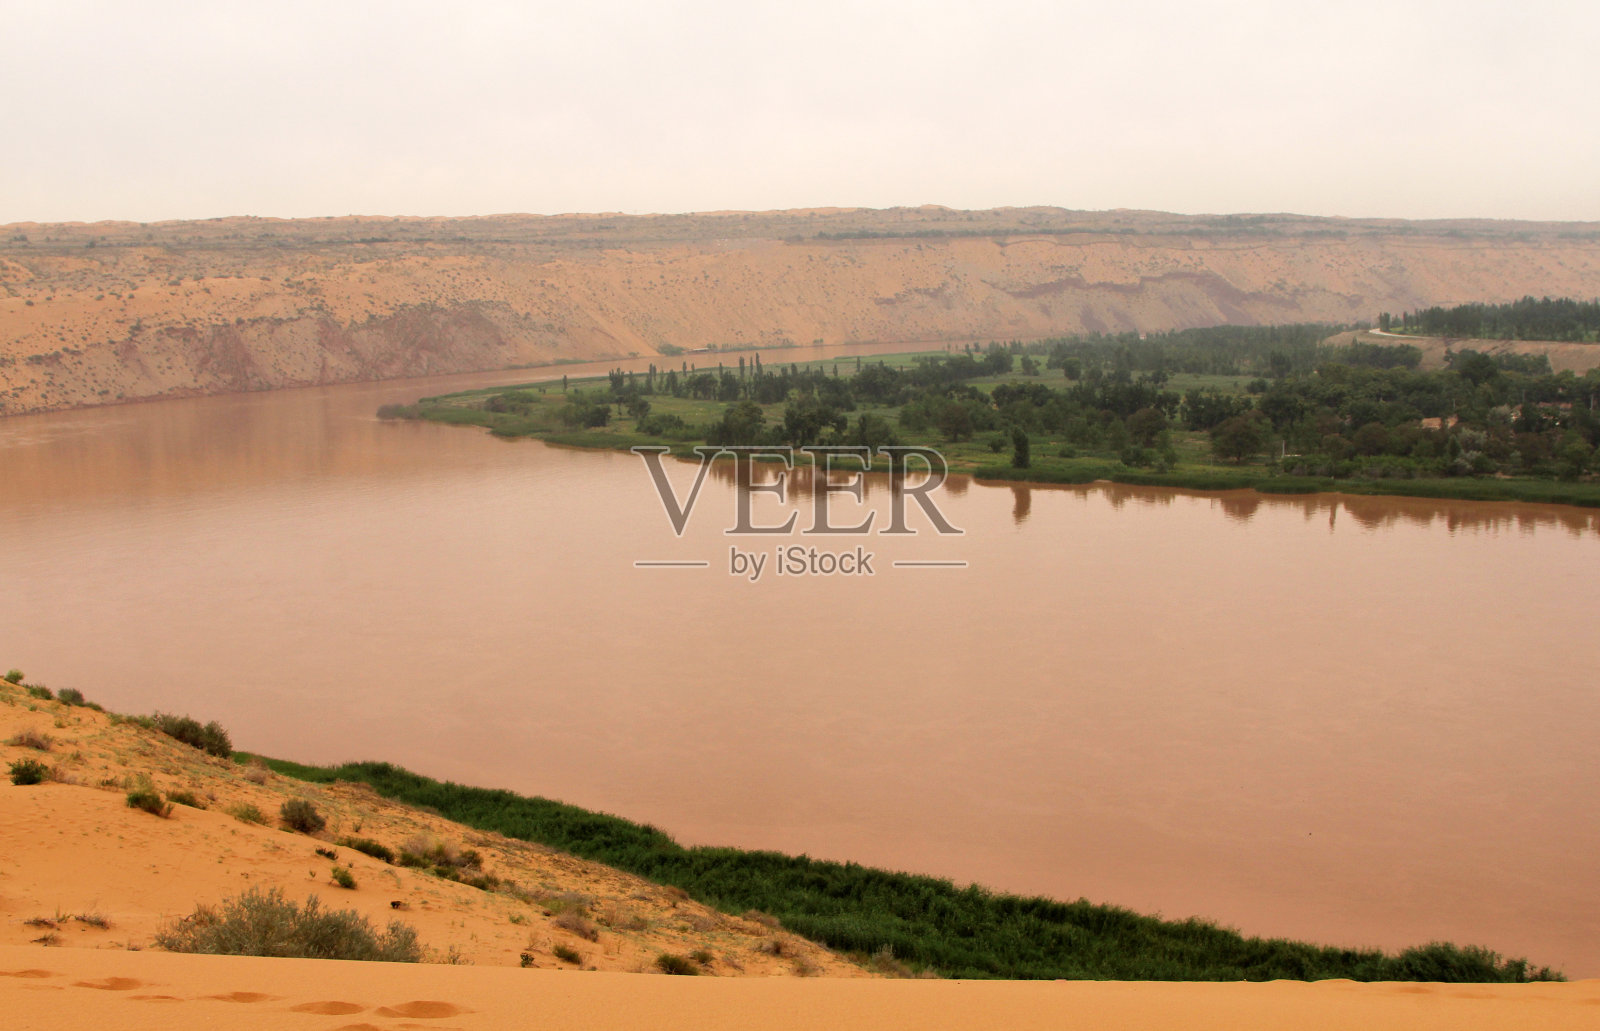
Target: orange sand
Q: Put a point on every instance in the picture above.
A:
(77, 850)
(65, 989)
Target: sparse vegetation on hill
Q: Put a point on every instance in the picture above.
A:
(264, 923)
(26, 772)
(210, 738)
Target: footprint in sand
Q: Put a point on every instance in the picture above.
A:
(328, 1009)
(424, 1009)
(111, 984)
(243, 997)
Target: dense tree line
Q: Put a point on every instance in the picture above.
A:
(1528, 319)
(1362, 410)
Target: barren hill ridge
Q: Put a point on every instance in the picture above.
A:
(115, 311)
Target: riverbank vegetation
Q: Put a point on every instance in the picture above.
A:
(929, 923)
(1545, 318)
(1273, 408)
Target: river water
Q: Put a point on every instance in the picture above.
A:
(1352, 720)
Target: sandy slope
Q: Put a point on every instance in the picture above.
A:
(66, 989)
(73, 856)
(94, 314)
(74, 851)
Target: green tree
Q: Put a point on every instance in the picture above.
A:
(953, 420)
(1146, 425)
(1239, 438)
(740, 424)
(1021, 449)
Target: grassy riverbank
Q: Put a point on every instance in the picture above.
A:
(933, 924)
(1082, 415)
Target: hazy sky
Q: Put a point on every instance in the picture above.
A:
(1409, 108)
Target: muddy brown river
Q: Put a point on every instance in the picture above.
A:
(1352, 720)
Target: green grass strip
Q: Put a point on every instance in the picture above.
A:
(931, 923)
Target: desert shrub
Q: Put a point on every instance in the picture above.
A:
(244, 812)
(367, 846)
(14, 676)
(576, 923)
(187, 798)
(261, 923)
(38, 691)
(71, 695)
(566, 954)
(883, 962)
(702, 957)
(569, 901)
(256, 773)
(210, 738)
(667, 963)
(342, 876)
(31, 739)
(300, 815)
(427, 850)
(29, 771)
(149, 800)
(99, 920)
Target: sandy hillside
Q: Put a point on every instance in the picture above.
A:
(80, 869)
(107, 312)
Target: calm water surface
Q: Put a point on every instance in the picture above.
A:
(1359, 721)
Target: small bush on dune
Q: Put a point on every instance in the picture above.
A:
(375, 849)
(342, 877)
(14, 676)
(575, 922)
(38, 691)
(29, 771)
(261, 923)
(185, 798)
(244, 812)
(300, 815)
(566, 954)
(211, 738)
(71, 696)
(31, 739)
(667, 963)
(150, 801)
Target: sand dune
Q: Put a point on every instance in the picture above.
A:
(108, 312)
(68, 989)
(79, 868)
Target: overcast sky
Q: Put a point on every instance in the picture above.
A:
(1407, 108)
